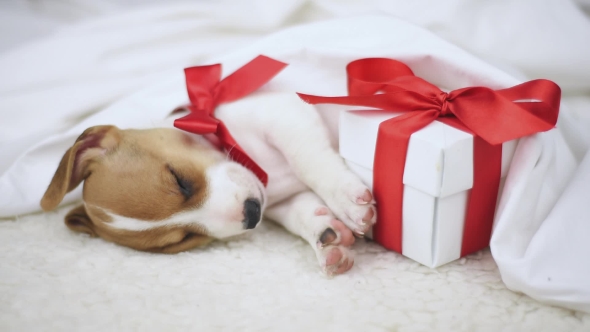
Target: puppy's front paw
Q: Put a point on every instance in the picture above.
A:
(352, 202)
(331, 244)
(332, 248)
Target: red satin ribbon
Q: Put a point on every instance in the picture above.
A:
(492, 116)
(206, 91)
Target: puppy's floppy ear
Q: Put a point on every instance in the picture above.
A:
(74, 165)
(78, 221)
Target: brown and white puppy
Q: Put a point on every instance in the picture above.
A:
(164, 190)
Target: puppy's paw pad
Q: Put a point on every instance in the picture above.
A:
(346, 237)
(337, 260)
(328, 236)
(321, 211)
(336, 233)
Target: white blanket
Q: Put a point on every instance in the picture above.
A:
(87, 74)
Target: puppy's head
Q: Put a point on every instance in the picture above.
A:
(157, 190)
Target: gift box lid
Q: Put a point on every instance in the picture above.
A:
(439, 160)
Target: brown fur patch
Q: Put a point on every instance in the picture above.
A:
(135, 180)
(128, 173)
(73, 165)
(94, 221)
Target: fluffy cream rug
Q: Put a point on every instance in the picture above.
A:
(54, 280)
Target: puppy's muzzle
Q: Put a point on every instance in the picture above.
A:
(252, 213)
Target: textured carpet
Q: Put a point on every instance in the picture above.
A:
(54, 280)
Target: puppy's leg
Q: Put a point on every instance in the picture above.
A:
(281, 122)
(305, 215)
(301, 136)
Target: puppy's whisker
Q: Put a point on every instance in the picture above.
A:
(228, 152)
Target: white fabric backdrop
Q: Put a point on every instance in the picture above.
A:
(53, 88)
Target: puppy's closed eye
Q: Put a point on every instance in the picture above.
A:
(185, 186)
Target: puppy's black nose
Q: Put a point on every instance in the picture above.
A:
(252, 213)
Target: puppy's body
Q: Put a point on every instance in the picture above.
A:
(165, 190)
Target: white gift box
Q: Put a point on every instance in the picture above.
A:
(438, 176)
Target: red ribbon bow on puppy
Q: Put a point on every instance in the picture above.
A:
(206, 91)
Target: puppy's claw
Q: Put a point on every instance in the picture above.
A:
(368, 216)
(361, 201)
(366, 198)
(321, 211)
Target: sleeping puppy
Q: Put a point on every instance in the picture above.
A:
(165, 190)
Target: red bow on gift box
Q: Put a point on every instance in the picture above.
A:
(206, 91)
(492, 116)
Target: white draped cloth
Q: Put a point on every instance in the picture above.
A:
(126, 69)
